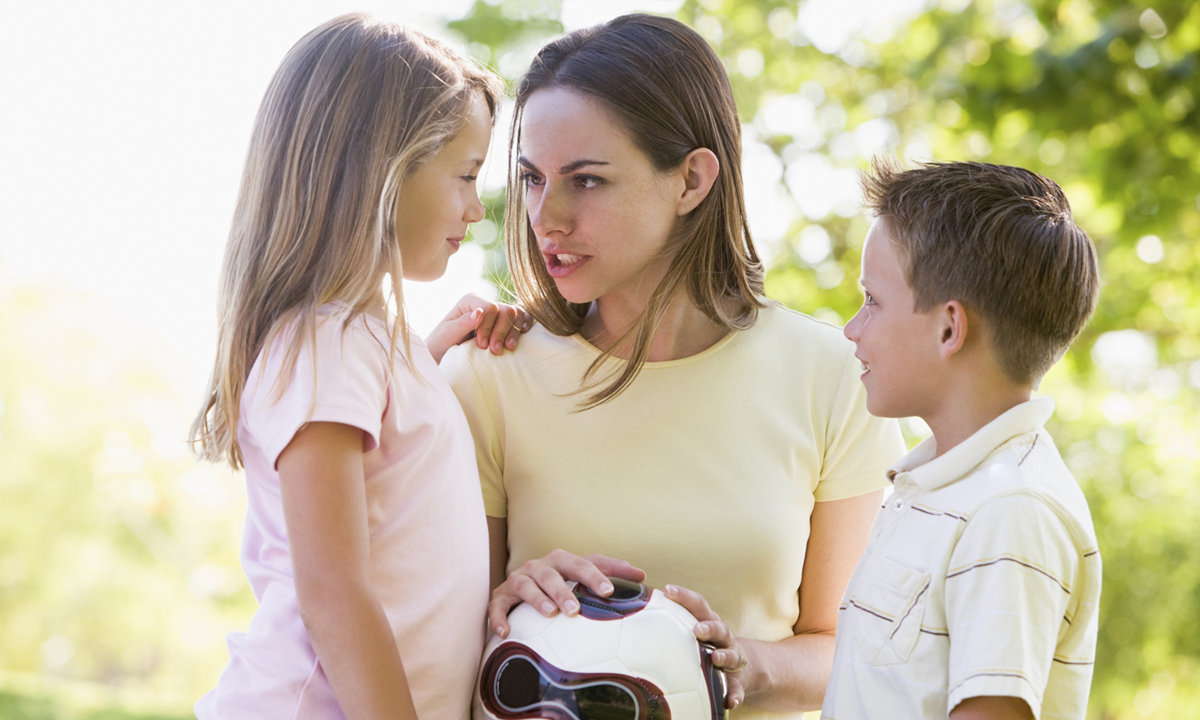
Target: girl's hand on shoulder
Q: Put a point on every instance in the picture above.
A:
(730, 655)
(544, 584)
(492, 325)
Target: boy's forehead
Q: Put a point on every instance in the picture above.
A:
(881, 255)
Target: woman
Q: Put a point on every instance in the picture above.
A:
(664, 412)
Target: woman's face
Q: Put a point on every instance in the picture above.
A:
(601, 212)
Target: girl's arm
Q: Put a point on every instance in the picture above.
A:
(493, 325)
(792, 674)
(324, 505)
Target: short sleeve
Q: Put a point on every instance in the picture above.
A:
(859, 447)
(1008, 587)
(340, 375)
(479, 400)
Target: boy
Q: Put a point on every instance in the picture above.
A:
(978, 594)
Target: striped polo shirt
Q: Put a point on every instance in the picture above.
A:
(982, 577)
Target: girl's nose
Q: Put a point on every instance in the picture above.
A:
(474, 212)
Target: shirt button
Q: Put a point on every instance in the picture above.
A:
(897, 505)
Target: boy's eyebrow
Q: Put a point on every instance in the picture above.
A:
(565, 169)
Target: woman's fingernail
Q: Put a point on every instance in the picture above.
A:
(572, 607)
(606, 588)
(548, 608)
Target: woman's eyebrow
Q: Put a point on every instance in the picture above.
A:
(565, 169)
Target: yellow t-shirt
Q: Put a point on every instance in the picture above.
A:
(703, 472)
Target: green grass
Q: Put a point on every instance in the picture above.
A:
(24, 698)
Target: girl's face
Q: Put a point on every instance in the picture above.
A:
(601, 212)
(440, 199)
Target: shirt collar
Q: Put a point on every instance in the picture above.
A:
(920, 468)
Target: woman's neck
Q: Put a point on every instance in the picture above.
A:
(683, 331)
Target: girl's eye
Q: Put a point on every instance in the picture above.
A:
(867, 299)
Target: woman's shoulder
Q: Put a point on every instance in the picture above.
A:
(779, 324)
(537, 351)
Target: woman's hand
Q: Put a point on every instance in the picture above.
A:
(493, 325)
(543, 583)
(730, 656)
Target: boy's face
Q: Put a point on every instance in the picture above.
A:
(897, 346)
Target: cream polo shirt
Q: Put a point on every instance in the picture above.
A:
(703, 472)
(982, 577)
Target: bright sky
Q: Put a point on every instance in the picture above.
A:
(123, 137)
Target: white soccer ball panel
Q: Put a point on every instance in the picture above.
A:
(583, 645)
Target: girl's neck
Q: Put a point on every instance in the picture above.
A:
(682, 332)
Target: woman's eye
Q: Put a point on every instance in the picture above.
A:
(529, 178)
(470, 178)
(867, 299)
(586, 182)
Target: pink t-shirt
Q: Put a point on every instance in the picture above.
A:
(429, 550)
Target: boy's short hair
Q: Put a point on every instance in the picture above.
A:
(1001, 241)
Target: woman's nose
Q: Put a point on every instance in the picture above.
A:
(548, 212)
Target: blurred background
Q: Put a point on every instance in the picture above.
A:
(122, 134)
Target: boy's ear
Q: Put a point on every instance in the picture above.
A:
(699, 170)
(952, 328)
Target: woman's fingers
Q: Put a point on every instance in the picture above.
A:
(546, 584)
(728, 655)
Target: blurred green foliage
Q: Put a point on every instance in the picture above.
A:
(118, 553)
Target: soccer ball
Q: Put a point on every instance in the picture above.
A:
(630, 656)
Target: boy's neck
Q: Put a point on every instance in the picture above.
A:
(966, 413)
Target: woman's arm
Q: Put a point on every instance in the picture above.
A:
(791, 674)
(324, 505)
(497, 549)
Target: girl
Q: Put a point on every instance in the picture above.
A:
(665, 412)
(365, 542)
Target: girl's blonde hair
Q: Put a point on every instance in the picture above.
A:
(663, 80)
(354, 108)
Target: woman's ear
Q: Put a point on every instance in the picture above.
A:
(699, 170)
(952, 328)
